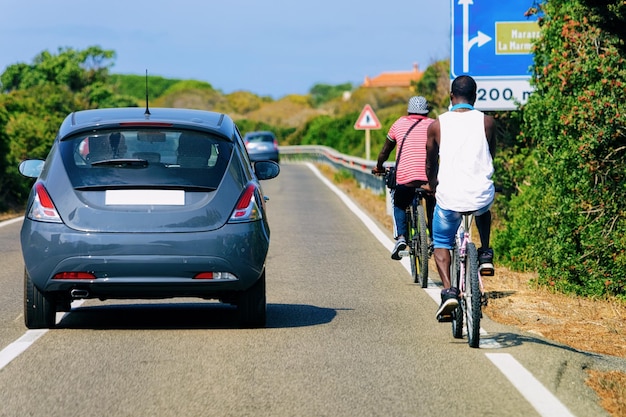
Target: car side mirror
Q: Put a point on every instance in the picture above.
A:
(31, 168)
(266, 170)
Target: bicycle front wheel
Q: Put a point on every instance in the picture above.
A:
(421, 247)
(472, 297)
(411, 228)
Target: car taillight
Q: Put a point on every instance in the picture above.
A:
(43, 209)
(247, 209)
(216, 276)
(74, 275)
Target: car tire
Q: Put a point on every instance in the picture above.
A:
(39, 308)
(251, 305)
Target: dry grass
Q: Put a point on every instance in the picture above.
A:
(584, 324)
(10, 215)
(589, 325)
(611, 388)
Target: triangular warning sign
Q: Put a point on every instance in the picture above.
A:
(367, 119)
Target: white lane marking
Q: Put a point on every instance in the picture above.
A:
(539, 396)
(16, 348)
(20, 345)
(535, 393)
(8, 222)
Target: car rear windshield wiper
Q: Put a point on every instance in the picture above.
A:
(122, 163)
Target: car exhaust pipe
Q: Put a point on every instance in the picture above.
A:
(77, 293)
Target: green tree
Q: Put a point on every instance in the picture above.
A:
(135, 85)
(243, 102)
(29, 122)
(71, 68)
(193, 94)
(37, 97)
(435, 86)
(322, 93)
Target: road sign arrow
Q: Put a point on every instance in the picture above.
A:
(480, 39)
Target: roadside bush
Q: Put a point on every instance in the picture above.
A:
(567, 219)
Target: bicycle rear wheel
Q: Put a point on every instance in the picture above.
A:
(472, 301)
(421, 247)
(457, 314)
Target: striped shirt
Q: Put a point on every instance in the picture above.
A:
(412, 166)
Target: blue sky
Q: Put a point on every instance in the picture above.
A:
(268, 47)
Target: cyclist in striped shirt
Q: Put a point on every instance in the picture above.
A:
(411, 169)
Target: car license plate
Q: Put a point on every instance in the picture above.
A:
(144, 197)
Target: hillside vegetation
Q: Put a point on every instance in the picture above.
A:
(560, 160)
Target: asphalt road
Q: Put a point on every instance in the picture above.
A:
(348, 334)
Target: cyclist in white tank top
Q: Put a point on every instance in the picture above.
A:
(459, 164)
(465, 163)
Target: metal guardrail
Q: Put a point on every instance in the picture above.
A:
(360, 168)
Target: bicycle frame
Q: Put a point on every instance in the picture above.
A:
(463, 237)
(465, 275)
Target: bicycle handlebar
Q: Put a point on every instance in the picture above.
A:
(381, 174)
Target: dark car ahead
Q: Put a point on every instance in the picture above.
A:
(262, 145)
(140, 205)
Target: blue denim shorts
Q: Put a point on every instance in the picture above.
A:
(446, 223)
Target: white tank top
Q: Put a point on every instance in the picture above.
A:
(465, 164)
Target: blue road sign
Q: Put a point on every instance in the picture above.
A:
(492, 42)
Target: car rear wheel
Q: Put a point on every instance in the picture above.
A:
(39, 308)
(251, 305)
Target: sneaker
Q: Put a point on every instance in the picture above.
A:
(400, 246)
(449, 302)
(485, 262)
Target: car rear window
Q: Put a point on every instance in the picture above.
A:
(146, 158)
(260, 138)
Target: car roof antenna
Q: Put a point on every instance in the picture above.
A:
(147, 112)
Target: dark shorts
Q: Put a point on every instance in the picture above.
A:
(403, 195)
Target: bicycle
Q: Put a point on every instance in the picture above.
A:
(417, 239)
(465, 275)
(417, 236)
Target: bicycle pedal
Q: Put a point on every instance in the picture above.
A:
(404, 253)
(447, 318)
(484, 300)
(487, 272)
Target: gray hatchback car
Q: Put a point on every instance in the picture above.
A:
(145, 204)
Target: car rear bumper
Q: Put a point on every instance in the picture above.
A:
(144, 265)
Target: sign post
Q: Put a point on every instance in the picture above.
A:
(492, 42)
(367, 120)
